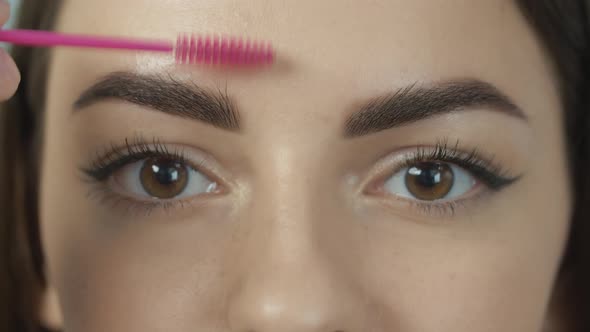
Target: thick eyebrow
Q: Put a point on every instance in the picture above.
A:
(415, 103)
(164, 94)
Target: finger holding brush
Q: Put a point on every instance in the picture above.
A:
(9, 73)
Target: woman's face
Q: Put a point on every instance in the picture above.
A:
(401, 168)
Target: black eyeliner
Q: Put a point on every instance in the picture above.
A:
(116, 157)
(484, 169)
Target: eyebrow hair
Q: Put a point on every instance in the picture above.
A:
(165, 94)
(415, 103)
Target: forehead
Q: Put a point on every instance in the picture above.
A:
(351, 45)
(327, 33)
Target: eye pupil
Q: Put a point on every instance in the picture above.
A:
(164, 178)
(165, 175)
(429, 181)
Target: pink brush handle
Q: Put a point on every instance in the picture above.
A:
(44, 38)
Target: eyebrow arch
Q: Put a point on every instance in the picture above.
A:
(415, 103)
(164, 94)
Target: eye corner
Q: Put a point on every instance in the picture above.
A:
(374, 186)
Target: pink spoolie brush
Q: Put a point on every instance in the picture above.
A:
(188, 49)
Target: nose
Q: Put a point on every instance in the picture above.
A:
(289, 280)
(289, 296)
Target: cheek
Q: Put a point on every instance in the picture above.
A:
(114, 275)
(467, 277)
(142, 282)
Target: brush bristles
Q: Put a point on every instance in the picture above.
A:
(192, 49)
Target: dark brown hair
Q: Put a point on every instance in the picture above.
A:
(21, 257)
(564, 28)
(561, 25)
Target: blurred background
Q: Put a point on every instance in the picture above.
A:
(15, 5)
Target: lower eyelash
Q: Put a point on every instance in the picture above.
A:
(445, 209)
(128, 205)
(437, 209)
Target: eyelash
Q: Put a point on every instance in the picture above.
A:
(483, 168)
(106, 163)
(115, 157)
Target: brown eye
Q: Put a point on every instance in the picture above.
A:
(164, 178)
(429, 181)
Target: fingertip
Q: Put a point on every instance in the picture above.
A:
(9, 76)
(4, 12)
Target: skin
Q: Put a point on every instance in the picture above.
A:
(9, 74)
(296, 242)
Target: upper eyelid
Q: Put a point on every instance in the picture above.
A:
(142, 149)
(157, 144)
(404, 156)
(450, 155)
(428, 152)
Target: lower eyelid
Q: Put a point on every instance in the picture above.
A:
(421, 211)
(195, 175)
(127, 206)
(412, 208)
(377, 191)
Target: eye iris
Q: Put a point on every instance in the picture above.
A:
(429, 181)
(163, 178)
